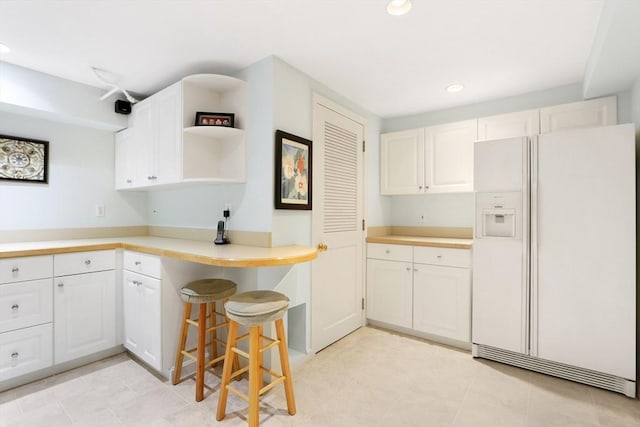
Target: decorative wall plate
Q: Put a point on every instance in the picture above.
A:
(23, 159)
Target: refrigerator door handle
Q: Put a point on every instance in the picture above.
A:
(534, 236)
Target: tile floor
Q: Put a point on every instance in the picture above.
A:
(370, 378)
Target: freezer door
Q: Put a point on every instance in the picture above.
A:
(500, 313)
(500, 165)
(583, 290)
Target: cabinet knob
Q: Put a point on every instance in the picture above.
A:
(87, 262)
(15, 269)
(15, 355)
(415, 269)
(420, 187)
(60, 285)
(387, 251)
(137, 263)
(14, 307)
(439, 256)
(426, 187)
(408, 268)
(129, 181)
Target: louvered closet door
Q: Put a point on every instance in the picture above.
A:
(337, 275)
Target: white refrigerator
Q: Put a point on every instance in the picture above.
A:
(554, 256)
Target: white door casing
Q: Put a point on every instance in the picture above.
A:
(337, 222)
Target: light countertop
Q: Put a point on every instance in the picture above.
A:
(439, 242)
(187, 250)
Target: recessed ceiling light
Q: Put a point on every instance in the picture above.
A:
(455, 87)
(398, 7)
(4, 48)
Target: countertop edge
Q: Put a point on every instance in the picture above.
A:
(437, 242)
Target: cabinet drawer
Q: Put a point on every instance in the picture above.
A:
(389, 252)
(442, 256)
(25, 304)
(84, 262)
(146, 264)
(26, 268)
(25, 350)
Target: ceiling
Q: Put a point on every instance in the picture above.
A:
(391, 66)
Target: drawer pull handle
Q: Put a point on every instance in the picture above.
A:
(60, 285)
(15, 355)
(137, 263)
(88, 262)
(15, 269)
(439, 256)
(14, 307)
(137, 282)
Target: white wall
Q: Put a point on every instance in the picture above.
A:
(456, 210)
(80, 176)
(41, 95)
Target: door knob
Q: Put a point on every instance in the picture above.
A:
(322, 247)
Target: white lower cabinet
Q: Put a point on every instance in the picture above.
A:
(142, 321)
(26, 313)
(442, 301)
(85, 314)
(389, 292)
(424, 289)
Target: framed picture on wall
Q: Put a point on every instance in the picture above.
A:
(23, 159)
(292, 172)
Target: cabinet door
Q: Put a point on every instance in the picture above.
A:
(84, 314)
(511, 125)
(167, 120)
(125, 160)
(449, 157)
(142, 135)
(389, 292)
(142, 323)
(402, 162)
(583, 114)
(442, 301)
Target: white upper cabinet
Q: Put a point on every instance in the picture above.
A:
(449, 157)
(583, 114)
(162, 146)
(510, 125)
(437, 159)
(402, 162)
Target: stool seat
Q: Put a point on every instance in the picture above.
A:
(256, 307)
(207, 290)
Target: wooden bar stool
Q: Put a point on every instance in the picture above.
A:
(253, 309)
(206, 293)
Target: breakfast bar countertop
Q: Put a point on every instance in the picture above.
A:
(201, 252)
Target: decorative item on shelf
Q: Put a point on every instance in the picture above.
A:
(292, 172)
(23, 159)
(214, 119)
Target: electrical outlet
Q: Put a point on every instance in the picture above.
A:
(100, 210)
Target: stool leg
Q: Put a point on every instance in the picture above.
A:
(260, 357)
(214, 335)
(202, 335)
(227, 369)
(254, 375)
(177, 369)
(286, 369)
